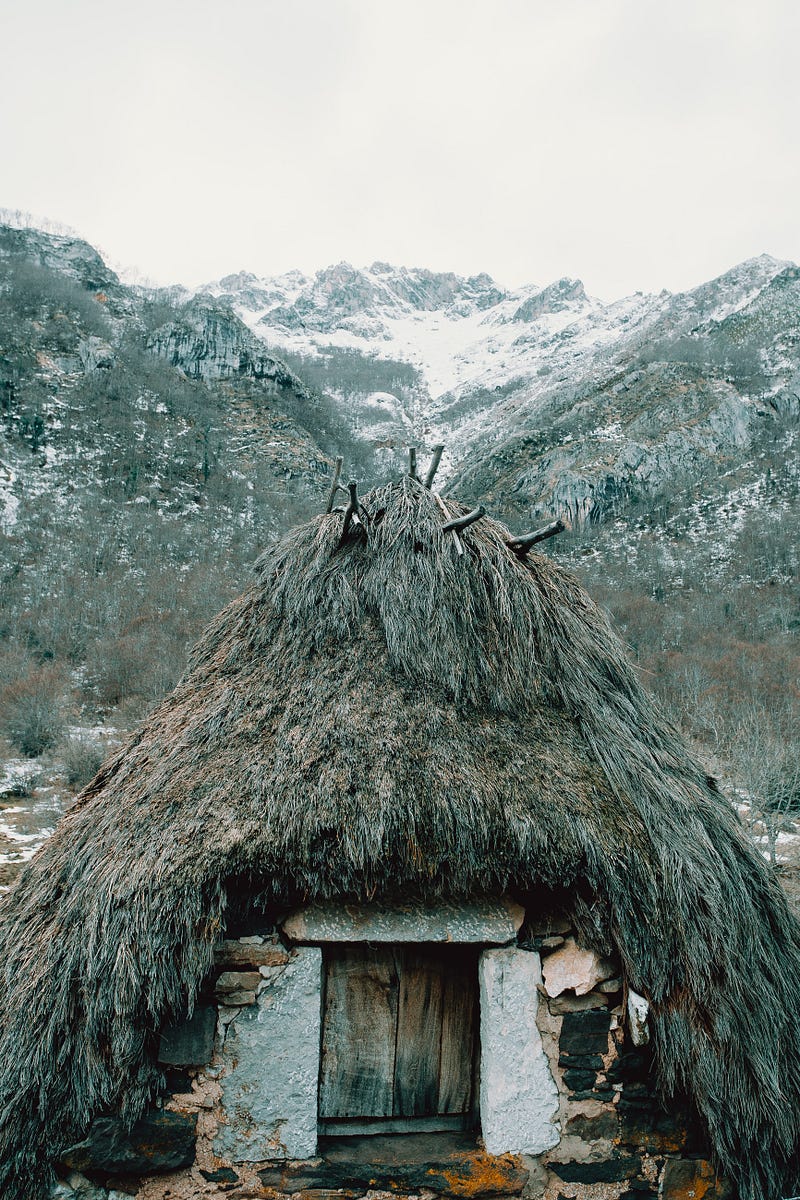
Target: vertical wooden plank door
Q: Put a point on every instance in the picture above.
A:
(398, 1038)
(358, 1033)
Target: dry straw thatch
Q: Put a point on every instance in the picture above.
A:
(383, 717)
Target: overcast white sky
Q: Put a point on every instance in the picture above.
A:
(637, 144)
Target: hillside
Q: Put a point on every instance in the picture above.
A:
(154, 441)
(148, 453)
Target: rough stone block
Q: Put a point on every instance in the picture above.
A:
(547, 923)
(237, 999)
(632, 1066)
(581, 1062)
(271, 1065)
(585, 1032)
(221, 1175)
(189, 1043)
(518, 1095)
(693, 1179)
(575, 968)
(594, 1126)
(609, 987)
(237, 981)
(244, 953)
(638, 1011)
(77, 1187)
(568, 1003)
(610, 1170)
(639, 1189)
(579, 1081)
(495, 921)
(651, 1131)
(160, 1141)
(326, 1194)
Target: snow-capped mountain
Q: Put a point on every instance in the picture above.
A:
(546, 398)
(461, 333)
(445, 326)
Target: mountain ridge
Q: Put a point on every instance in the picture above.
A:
(493, 366)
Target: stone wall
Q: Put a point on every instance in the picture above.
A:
(225, 1131)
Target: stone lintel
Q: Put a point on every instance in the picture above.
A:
(494, 921)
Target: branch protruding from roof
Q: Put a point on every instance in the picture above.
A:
(335, 486)
(352, 510)
(459, 524)
(434, 465)
(527, 541)
(444, 509)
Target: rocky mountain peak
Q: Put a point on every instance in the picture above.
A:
(630, 393)
(237, 282)
(556, 297)
(69, 257)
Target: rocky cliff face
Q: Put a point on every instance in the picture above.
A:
(68, 257)
(342, 297)
(83, 356)
(207, 341)
(549, 402)
(680, 398)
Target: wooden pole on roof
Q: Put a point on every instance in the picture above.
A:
(434, 465)
(337, 470)
(527, 541)
(351, 511)
(443, 507)
(459, 524)
(412, 461)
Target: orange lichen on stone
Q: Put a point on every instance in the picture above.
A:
(692, 1179)
(483, 1174)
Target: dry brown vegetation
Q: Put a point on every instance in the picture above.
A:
(717, 638)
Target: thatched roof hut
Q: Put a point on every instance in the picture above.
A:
(384, 716)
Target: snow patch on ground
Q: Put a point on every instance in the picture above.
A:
(33, 797)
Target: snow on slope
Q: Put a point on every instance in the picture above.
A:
(451, 329)
(504, 377)
(463, 334)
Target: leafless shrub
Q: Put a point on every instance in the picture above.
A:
(20, 783)
(765, 755)
(31, 711)
(82, 757)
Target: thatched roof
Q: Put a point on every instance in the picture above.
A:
(387, 716)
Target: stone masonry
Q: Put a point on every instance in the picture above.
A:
(246, 1066)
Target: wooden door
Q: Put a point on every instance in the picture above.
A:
(398, 1038)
